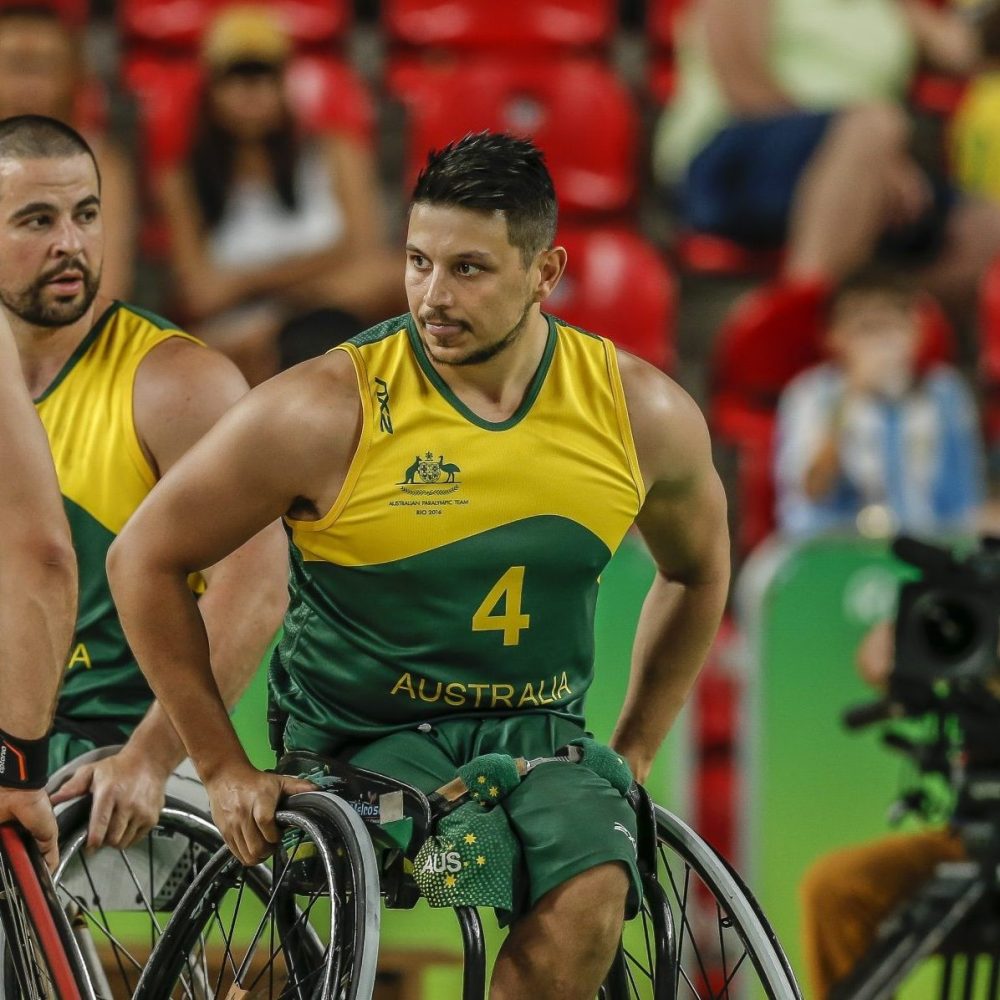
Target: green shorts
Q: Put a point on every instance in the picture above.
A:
(63, 748)
(567, 818)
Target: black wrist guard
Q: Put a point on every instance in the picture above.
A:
(23, 763)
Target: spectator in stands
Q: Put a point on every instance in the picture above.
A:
(867, 439)
(975, 128)
(275, 236)
(788, 129)
(42, 73)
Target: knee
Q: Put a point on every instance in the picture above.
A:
(594, 903)
(877, 128)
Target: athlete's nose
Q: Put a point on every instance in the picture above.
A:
(438, 294)
(67, 240)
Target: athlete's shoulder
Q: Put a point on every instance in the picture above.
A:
(397, 326)
(138, 316)
(668, 427)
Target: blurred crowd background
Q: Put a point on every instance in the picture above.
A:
(748, 190)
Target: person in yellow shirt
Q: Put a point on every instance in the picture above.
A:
(121, 394)
(975, 127)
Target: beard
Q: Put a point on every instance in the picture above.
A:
(489, 351)
(31, 305)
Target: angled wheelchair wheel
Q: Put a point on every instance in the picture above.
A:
(304, 926)
(701, 935)
(38, 957)
(117, 902)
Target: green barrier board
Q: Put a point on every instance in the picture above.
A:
(815, 786)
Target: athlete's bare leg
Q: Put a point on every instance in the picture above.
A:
(563, 948)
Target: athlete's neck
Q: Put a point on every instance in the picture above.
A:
(494, 389)
(44, 350)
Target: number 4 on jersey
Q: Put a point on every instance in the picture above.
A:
(507, 590)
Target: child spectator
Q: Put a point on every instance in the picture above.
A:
(867, 440)
(975, 128)
(275, 236)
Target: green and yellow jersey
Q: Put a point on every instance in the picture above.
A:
(457, 571)
(103, 476)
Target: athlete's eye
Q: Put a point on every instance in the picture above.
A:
(88, 215)
(37, 221)
(468, 270)
(418, 261)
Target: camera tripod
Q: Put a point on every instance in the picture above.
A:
(955, 915)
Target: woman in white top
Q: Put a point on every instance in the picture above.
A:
(275, 238)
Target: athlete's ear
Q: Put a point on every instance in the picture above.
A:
(551, 265)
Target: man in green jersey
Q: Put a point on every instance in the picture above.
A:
(37, 604)
(122, 395)
(454, 481)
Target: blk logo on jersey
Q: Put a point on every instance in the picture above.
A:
(430, 475)
(382, 398)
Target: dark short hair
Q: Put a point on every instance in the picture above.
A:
(875, 280)
(30, 137)
(495, 172)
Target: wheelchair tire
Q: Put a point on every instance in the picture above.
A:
(117, 902)
(717, 942)
(316, 928)
(38, 957)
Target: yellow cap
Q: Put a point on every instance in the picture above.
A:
(245, 33)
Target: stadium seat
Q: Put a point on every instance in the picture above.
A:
(989, 350)
(575, 109)
(616, 284)
(662, 18)
(519, 24)
(712, 255)
(177, 25)
(774, 333)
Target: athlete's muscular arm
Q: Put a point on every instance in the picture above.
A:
(181, 390)
(286, 445)
(683, 521)
(37, 587)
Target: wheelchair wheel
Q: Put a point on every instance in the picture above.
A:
(38, 958)
(312, 935)
(701, 935)
(117, 902)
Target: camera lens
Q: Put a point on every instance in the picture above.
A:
(949, 627)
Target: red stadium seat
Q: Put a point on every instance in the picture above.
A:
(708, 254)
(519, 24)
(773, 334)
(73, 12)
(575, 109)
(662, 18)
(179, 24)
(989, 349)
(616, 284)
